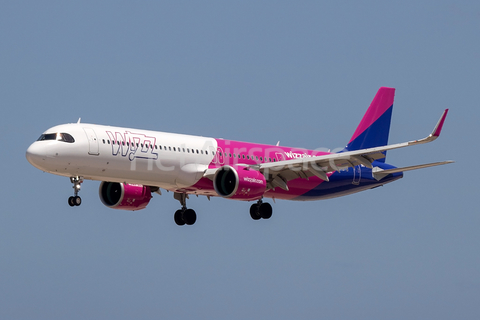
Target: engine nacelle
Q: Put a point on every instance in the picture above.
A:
(239, 182)
(124, 196)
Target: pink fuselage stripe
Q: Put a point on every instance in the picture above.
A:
(254, 153)
(228, 152)
(382, 102)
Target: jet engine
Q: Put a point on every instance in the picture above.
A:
(241, 183)
(124, 196)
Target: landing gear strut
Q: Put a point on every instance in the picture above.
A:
(261, 210)
(75, 200)
(184, 215)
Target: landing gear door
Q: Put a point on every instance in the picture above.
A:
(92, 141)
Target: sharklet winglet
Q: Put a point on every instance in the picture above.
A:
(439, 126)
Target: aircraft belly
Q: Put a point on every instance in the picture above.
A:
(189, 174)
(340, 184)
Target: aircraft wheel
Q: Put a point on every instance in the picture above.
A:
(77, 200)
(178, 218)
(189, 216)
(71, 202)
(254, 212)
(265, 210)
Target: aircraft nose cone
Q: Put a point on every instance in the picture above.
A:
(35, 155)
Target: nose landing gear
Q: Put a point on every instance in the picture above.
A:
(75, 200)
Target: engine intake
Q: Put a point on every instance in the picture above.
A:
(124, 196)
(239, 182)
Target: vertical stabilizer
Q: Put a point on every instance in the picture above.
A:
(374, 128)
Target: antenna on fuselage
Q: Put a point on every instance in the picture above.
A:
(278, 143)
(79, 120)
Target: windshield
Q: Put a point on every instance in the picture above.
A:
(65, 137)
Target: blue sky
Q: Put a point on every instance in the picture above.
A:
(299, 72)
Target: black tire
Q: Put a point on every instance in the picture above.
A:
(70, 201)
(178, 218)
(189, 216)
(265, 210)
(254, 212)
(77, 200)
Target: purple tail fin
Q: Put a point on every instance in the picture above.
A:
(375, 125)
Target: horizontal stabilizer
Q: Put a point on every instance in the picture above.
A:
(379, 174)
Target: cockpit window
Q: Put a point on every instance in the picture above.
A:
(48, 136)
(65, 137)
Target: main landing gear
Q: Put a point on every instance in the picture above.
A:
(184, 215)
(75, 200)
(261, 210)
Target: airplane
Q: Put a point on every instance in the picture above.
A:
(132, 164)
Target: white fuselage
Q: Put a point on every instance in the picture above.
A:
(105, 153)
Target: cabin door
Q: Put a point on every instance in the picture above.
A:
(92, 141)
